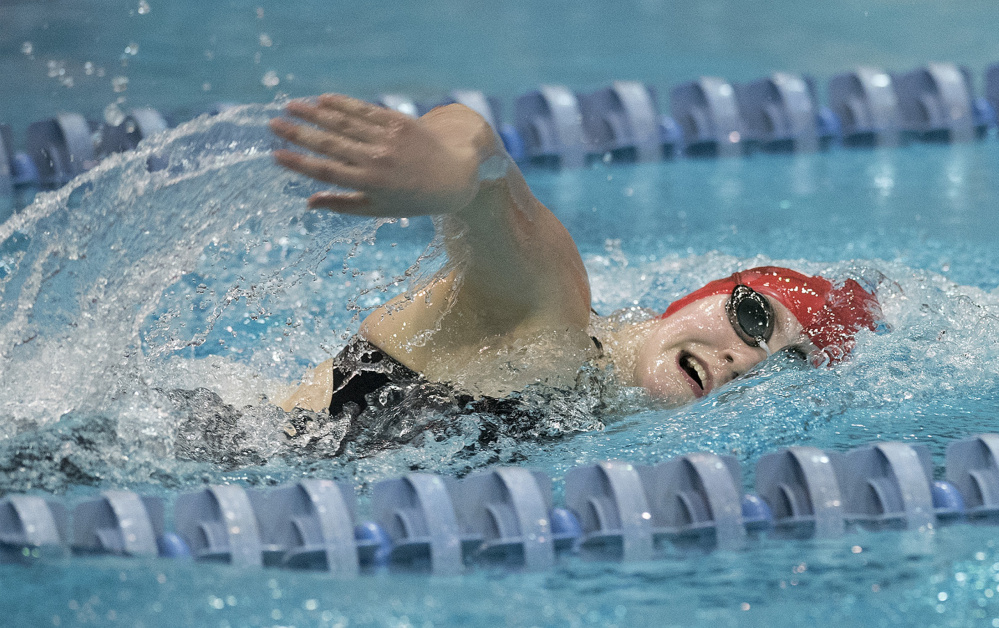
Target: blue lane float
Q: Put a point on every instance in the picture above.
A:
(992, 92)
(403, 104)
(489, 108)
(697, 500)
(309, 525)
(510, 510)
(888, 485)
(609, 500)
(6, 161)
(486, 106)
(418, 514)
(556, 127)
(218, 524)
(506, 517)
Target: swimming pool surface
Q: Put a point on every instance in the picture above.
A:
(127, 288)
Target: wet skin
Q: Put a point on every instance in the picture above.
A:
(696, 350)
(521, 276)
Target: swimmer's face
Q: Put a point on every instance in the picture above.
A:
(697, 349)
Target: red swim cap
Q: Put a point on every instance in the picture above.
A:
(830, 315)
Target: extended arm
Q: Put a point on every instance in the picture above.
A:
(520, 272)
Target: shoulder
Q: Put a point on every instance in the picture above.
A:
(315, 390)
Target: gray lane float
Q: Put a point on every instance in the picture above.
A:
(800, 484)
(936, 103)
(550, 123)
(709, 117)
(507, 518)
(622, 120)
(610, 502)
(866, 104)
(218, 524)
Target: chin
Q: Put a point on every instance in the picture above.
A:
(676, 402)
(670, 395)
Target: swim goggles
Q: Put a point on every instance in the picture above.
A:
(752, 317)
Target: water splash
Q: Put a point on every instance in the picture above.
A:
(152, 309)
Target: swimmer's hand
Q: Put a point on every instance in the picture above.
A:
(514, 273)
(396, 165)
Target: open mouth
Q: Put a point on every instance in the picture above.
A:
(696, 373)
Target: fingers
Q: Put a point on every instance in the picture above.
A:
(320, 141)
(328, 170)
(352, 126)
(359, 109)
(347, 134)
(344, 203)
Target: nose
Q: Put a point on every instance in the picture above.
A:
(737, 359)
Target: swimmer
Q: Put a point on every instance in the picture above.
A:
(512, 307)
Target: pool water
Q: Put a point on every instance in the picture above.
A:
(127, 289)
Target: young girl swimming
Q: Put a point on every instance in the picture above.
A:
(513, 306)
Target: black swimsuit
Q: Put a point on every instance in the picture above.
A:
(384, 402)
(362, 369)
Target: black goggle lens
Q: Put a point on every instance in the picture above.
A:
(751, 315)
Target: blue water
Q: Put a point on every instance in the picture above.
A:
(128, 285)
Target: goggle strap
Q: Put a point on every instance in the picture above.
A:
(763, 345)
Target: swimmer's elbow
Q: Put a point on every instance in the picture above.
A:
(464, 124)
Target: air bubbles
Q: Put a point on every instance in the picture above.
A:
(56, 68)
(119, 84)
(265, 40)
(132, 49)
(27, 48)
(113, 114)
(143, 7)
(270, 79)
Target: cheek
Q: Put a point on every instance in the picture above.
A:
(650, 372)
(656, 375)
(654, 364)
